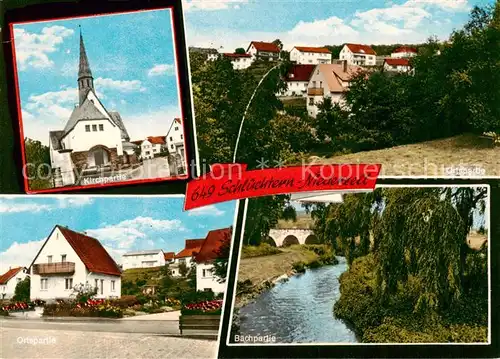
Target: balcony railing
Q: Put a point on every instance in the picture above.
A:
(315, 91)
(54, 268)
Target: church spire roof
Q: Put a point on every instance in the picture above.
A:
(84, 67)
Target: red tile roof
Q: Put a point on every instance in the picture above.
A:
(157, 140)
(11, 273)
(169, 255)
(235, 56)
(300, 72)
(178, 120)
(265, 46)
(397, 62)
(361, 49)
(321, 50)
(405, 49)
(215, 240)
(192, 247)
(91, 252)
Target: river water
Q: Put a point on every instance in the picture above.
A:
(300, 310)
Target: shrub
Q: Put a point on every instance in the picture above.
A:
(125, 301)
(263, 249)
(299, 267)
(22, 291)
(211, 307)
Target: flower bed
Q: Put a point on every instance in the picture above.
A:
(208, 307)
(22, 306)
(90, 308)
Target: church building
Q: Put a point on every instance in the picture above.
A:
(94, 139)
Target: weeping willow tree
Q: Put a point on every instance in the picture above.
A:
(421, 233)
(346, 226)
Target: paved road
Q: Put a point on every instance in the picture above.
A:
(164, 327)
(152, 168)
(55, 344)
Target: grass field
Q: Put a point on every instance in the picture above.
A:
(151, 275)
(431, 158)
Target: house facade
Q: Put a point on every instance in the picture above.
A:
(151, 147)
(186, 256)
(143, 259)
(68, 260)
(297, 79)
(329, 81)
(404, 52)
(9, 280)
(239, 61)
(357, 54)
(397, 65)
(265, 51)
(310, 55)
(205, 277)
(169, 257)
(93, 137)
(174, 142)
(211, 54)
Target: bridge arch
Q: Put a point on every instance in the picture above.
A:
(290, 240)
(269, 240)
(279, 236)
(311, 239)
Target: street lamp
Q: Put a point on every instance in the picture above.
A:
(246, 110)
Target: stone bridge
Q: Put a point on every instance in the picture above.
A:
(287, 237)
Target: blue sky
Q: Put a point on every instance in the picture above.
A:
(234, 23)
(121, 224)
(132, 60)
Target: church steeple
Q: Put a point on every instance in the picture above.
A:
(85, 79)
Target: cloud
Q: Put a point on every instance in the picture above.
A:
(210, 5)
(119, 85)
(161, 69)
(9, 205)
(154, 123)
(32, 49)
(75, 201)
(134, 232)
(206, 211)
(19, 254)
(447, 5)
(332, 26)
(23, 207)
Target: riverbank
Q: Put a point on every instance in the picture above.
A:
(277, 267)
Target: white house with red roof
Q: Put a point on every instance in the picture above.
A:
(174, 143)
(357, 54)
(151, 146)
(239, 61)
(329, 81)
(404, 52)
(266, 51)
(9, 280)
(186, 256)
(296, 80)
(397, 65)
(69, 259)
(211, 250)
(305, 55)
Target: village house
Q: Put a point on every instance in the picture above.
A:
(239, 61)
(356, 54)
(185, 256)
(266, 51)
(297, 79)
(210, 250)
(69, 259)
(169, 257)
(211, 54)
(404, 52)
(310, 55)
(152, 146)
(143, 259)
(93, 138)
(9, 280)
(174, 143)
(397, 65)
(329, 81)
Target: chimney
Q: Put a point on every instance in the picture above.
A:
(344, 65)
